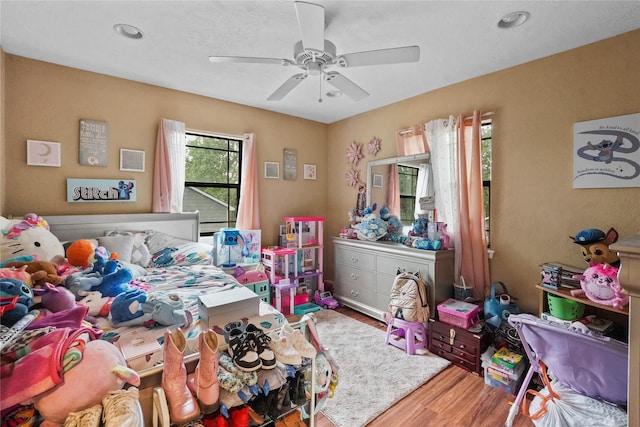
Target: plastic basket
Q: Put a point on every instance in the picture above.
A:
(564, 308)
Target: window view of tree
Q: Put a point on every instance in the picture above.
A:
(485, 130)
(212, 180)
(407, 181)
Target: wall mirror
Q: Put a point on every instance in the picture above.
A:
(378, 182)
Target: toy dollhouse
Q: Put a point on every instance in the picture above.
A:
(296, 269)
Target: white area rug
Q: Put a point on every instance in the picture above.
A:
(372, 376)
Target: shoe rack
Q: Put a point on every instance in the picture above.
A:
(161, 416)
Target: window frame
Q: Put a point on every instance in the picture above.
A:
(231, 219)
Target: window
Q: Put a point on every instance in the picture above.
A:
(212, 180)
(407, 181)
(485, 133)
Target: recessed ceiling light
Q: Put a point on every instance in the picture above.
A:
(128, 31)
(334, 94)
(513, 19)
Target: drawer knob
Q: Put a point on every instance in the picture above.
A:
(355, 293)
(354, 260)
(452, 335)
(354, 276)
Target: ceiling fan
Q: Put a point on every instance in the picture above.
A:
(315, 55)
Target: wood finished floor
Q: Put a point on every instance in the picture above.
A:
(453, 398)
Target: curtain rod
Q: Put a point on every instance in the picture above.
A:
(482, 116)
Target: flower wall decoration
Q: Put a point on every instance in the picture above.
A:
(354, 153)
(374, 145)
(353, 177)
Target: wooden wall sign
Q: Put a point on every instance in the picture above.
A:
(94, 143)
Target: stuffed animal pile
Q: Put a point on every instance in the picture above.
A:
(599, 282)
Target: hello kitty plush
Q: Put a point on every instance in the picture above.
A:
(600, 284)
(29, 237)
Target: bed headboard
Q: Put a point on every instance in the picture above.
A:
(73, 227)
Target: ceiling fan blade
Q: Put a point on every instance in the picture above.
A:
(249, 60)
(394, 55)
(311, 23)
(287, 87)
(345, 86)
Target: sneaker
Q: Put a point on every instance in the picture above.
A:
(243, 351)
(267, 356)
(283, 349)
(122, 409)
(88, 418)
(298, 341)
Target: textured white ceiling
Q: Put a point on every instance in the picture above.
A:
(458, 40)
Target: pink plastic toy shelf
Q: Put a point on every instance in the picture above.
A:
(287, 272)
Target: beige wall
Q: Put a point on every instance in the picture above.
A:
(534, 208)
(533, 205)
(46, 102)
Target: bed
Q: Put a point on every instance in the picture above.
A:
(188, 272)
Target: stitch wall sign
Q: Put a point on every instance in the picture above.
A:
(607, 152)
(101, 190)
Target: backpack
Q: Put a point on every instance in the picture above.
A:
(408, 299)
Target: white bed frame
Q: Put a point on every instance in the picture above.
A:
(73, 227)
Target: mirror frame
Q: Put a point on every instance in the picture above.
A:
(390, 161)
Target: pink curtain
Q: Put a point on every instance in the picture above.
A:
(473, 244)
(248, 205)
(411, 141)
(169, 167)
(393, 195)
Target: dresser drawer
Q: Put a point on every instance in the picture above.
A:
(462, 338)
(389, 265)
(355, 258)
(356, 277)
(356, 293)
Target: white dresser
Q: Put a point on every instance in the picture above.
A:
(365, 271)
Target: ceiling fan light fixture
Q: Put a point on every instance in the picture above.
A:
(128, 31)
(514, 19)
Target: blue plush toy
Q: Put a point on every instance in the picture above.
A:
(136, 307)
(10, 288)
(371, 227)
(110, 278)
(394, 226)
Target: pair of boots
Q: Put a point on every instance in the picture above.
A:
(179, 388)
(238, 417)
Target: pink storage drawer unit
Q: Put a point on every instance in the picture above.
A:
(458, 313)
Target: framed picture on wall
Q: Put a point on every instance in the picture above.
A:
(131, 160)
(377, 180)
(43, 153)
(309, 171)
(271, 170)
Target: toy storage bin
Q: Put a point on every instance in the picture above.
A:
(564, 308)
(458, 313)
(496, 377)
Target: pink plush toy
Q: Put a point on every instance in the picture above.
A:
(249, 276)
(600, 284)
(101, 370)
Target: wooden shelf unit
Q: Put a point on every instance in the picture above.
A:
(618, 316)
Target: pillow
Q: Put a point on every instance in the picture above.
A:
(122, 245)
(169, 250)
(140, 253)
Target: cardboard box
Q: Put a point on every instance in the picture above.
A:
(140, 349)
(507, 360)
(220, 308)
(247, 251)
